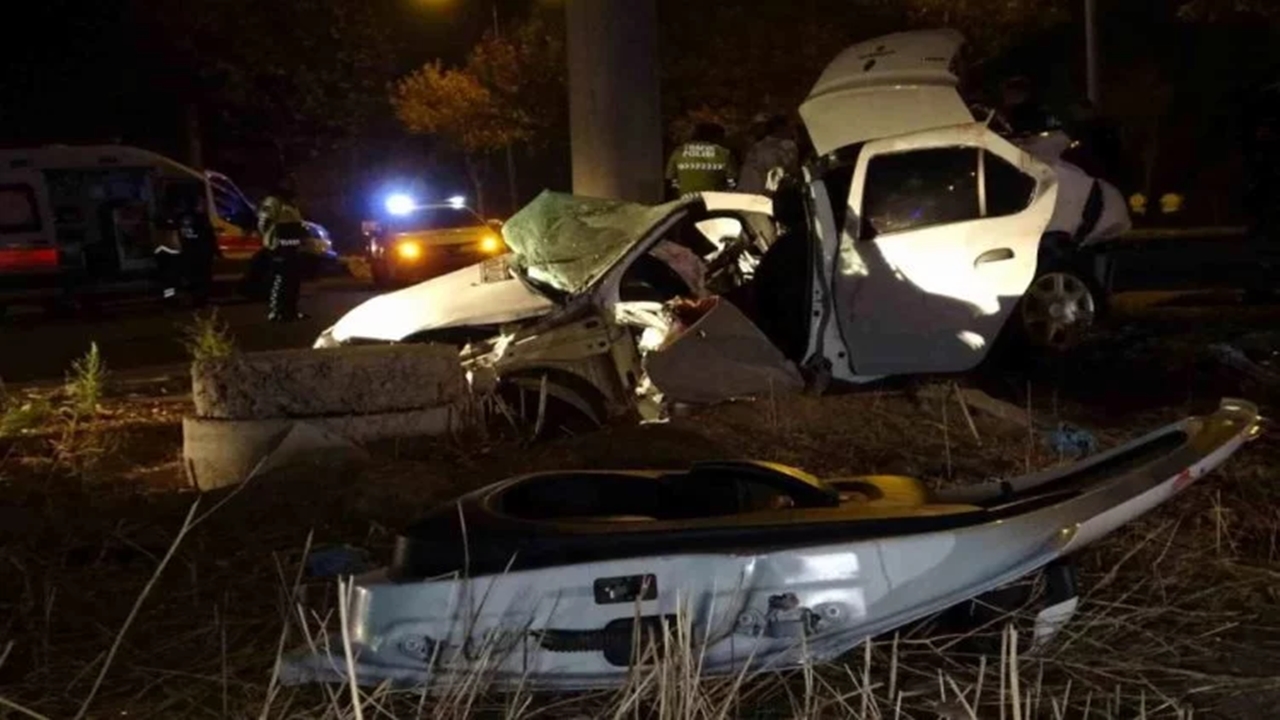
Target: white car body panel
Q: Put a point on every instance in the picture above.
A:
(759, 606)
(892, 85)
(740, 202)
(462, 298)
(1074, 187)
(934, 298)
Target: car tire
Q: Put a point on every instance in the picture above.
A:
(1061, 306)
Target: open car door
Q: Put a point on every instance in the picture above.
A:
(941, 242)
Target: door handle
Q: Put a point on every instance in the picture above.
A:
(990, 256)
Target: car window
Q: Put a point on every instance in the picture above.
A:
(1009, 190)
(437, 218)
(18, 211)
(920, 188)
(230, 206)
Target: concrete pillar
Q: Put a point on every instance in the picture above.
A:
(614, 114)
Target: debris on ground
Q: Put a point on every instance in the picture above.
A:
(1239, 361)
(1197, 577)
(1070, 442)
(338, 561)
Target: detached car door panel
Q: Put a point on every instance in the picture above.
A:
(948, 229)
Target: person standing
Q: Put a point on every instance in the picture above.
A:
(703, 164)
(199, 245)
(168, 256)
(773, 156)
(283, 233)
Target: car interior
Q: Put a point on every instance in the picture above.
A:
(770, 287)
(723, 488)
(713, 489)
(727, 505)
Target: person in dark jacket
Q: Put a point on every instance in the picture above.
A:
(199, 244)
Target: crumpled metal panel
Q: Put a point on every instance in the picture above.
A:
(764, 607)
(721, 356)
(567, 242)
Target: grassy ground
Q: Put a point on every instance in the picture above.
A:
(1180, 614)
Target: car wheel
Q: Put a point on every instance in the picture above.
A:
(1058, 309)
(567, 410)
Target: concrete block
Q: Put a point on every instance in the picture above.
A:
(220, 453)
(362, 380)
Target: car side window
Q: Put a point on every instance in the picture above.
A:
(1009, 190)
(920, 188)
(18, 211)
(231, 207)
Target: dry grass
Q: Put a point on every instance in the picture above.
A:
(1180, 615)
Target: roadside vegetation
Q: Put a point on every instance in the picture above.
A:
(208, 337)
(122, 598)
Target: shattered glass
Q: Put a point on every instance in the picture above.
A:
(567, 242)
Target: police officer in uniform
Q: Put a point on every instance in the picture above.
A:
(283, 233)
(703, 164)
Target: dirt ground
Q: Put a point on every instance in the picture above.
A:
(1180, 611)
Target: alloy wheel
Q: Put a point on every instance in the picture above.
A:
(1057, 309)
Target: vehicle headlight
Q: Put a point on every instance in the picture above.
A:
(490, 244)
(409, 251)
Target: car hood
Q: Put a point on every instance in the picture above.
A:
(483, 294)
(561, 246)
(893, 85)
(566, 242)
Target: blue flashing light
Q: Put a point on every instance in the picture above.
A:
(400, 204)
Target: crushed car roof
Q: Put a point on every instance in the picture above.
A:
(567, 241)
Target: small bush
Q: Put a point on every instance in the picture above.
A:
(82, 444)
(85, 384)
(208, 338)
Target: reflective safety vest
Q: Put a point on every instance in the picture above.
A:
(280, 223)
(702, 167)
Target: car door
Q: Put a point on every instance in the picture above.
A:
(940, 243)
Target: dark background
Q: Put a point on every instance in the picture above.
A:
(255, 88)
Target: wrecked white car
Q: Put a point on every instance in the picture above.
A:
(905, 249)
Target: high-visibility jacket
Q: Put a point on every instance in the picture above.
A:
(280, 223)
(702, 167)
